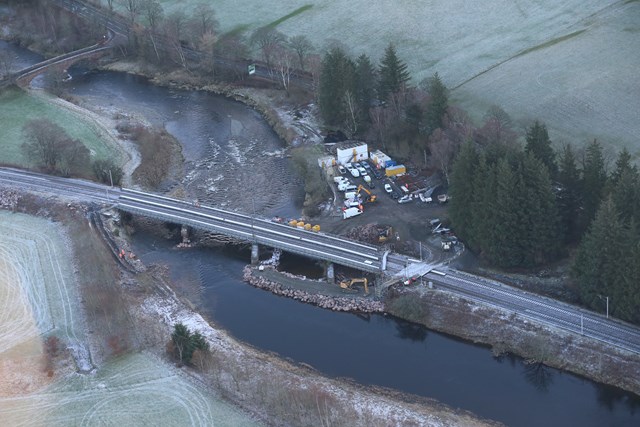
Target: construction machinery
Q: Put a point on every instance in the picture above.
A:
(384, 233)
(370, 197)
(347, 285)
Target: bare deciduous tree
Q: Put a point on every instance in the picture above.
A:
(132, 7)
(351, 108)
(443, 151)
(302, 47)
(49, 146)
(268, 40)
(154, 14)
(283, 65)
(175, 29)
(205, 19)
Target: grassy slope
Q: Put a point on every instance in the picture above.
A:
(18, 107)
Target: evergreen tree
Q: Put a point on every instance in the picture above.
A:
(504, 227)
(181, 340)
(594, 178)
(626, 195)
(540, 238)
(600, 257)
(365, 86)
(568, 196)
(539, 144)
(184, 343)
(438, 103)
(483, 198)
(336, 79)
(623, 163)
(462, 190)
(393, 74)
(627, 306)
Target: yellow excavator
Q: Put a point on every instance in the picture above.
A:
(347, 285)
(370, 196)
(384, 233)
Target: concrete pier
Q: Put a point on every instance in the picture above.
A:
(255, 254)
(331, 276)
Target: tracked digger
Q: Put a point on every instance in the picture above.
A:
(347, 285)
(369, 197)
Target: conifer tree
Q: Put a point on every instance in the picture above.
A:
(438, 103)
(568, 197)
(600, 256)
(504, 227)
(623, 163)
(626, 195)
(594, 178)
(365, 86)
(539, 144)
(336, 79)
(540, 234)
(462, 189)
(393, 74)
(483, 198)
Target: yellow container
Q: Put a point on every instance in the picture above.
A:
(315, 228)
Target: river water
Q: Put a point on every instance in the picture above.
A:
(217, 137)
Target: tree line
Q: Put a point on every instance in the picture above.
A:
(525, 207)
(378, 103)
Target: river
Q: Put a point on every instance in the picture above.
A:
(218, 135)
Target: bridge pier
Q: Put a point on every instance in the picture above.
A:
(255, 254)
(331, 275)
(184, 232)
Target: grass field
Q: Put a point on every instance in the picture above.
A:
(570, 64)
(18, 107)
(39, 296)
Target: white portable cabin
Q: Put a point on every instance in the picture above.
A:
(351, 151)
(379, 158)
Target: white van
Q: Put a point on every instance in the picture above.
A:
(350, 187)
(350, 195)
(352, 203)
(350, 212)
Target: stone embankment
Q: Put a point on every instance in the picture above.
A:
(335, 303)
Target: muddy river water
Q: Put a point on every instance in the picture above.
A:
(228, 146)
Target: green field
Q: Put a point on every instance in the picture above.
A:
(571, 64)
(18, 107)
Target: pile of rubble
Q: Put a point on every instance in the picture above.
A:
(368, 233)
(322, 301)
(9, 199)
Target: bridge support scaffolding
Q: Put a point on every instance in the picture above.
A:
(255, 254)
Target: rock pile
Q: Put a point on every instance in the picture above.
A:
(324, 301)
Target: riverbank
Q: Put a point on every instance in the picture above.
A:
(507, 333)
(292, 118)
